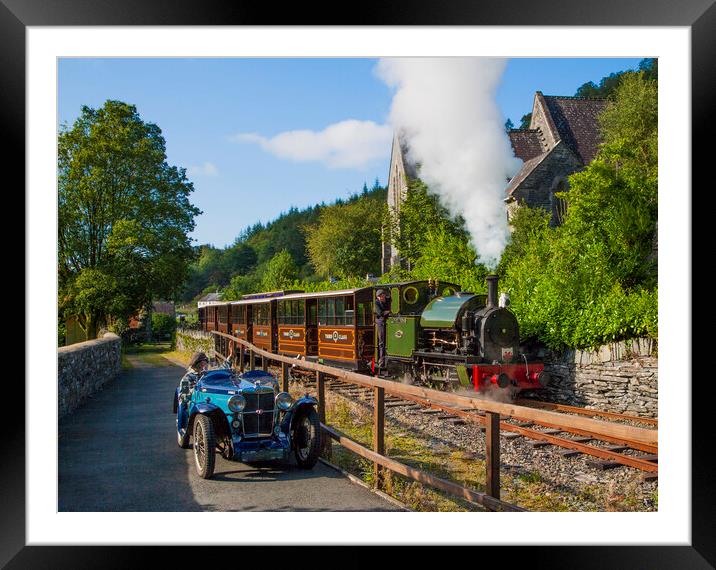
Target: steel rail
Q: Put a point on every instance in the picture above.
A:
(584, 411)
(627, 460)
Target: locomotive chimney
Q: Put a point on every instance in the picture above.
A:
(492, 290)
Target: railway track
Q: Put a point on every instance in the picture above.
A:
(573, 442)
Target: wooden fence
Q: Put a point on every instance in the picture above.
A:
(493, 410)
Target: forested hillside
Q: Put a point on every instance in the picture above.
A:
(340, 240)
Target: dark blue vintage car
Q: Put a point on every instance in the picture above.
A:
(245, 418)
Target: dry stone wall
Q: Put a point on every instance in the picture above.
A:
(192, 341)
(84, 368)
(620, 377)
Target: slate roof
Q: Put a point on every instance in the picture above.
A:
(576, 122)
(527, 169)
(527, 143)
(211, 297)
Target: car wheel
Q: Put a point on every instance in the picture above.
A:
(307, 438)
(204, 446)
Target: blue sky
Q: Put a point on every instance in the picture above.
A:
(219, 117)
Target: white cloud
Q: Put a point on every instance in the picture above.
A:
(346, 144)
(206, 169)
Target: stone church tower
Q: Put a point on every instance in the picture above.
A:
(401, 171)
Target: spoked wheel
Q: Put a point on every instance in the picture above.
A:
(307, 438)
(204, 446)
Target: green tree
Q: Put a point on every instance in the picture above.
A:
(241, 285)
(124, 216)
(422, 217)
(525, 121)
(593, 279)
(346, 240)
(280, 272)
(163, 326)
(608, 85)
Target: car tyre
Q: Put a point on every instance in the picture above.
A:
(204, 446)
(307, 438)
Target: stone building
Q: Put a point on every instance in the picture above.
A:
(209, 299)
(401, 171)
(562, 138)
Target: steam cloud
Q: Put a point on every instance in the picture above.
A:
(445, 109)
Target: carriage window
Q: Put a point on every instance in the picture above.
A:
(327, 312)
(330, 311)
(240, 314)
(262, 314)
(322, 311)
(349, 312)
(312, 314)
(365, 314)
(222, 314)
(291, 312)
(340, 311)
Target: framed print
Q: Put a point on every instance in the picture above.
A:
(35, 34)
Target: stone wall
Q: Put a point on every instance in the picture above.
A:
(84, 368)
(620, 377)
(192, 341)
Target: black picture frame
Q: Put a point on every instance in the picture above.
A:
(698, 15)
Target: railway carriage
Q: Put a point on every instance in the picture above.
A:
(436, 333)
(297, 326)
(241, 320)
(258, 314)
(345, 327)
(211, 318)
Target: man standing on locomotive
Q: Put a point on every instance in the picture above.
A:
(382, 312)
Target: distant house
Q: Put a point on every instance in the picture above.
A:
(209, 299)
(164, 307)
(562, 138)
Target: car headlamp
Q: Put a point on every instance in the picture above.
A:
(284, 401)
(237, 403)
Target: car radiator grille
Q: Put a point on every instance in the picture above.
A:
(258, 423)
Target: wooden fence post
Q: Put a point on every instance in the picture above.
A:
(252, 359)
(378, 431)
(492, 454)
(284, 376)
(241, 357)
(264, 363)
(321, 389)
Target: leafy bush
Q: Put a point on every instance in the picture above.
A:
(163, 326)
